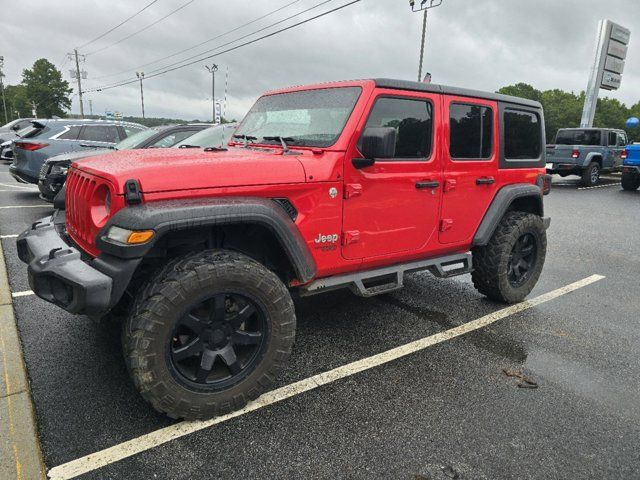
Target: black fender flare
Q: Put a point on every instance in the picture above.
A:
(499, 206)
(173, 215)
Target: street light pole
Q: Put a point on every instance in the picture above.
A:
(213, 69)
(140, 76)
(424, 5)
(4, 103)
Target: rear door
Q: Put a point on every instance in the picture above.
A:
(470, 165)
(393, 206)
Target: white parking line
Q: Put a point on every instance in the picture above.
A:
(30, 206)
(26, 293)
(9, 236)
(132, 447)
(601, 186)
(24, 187)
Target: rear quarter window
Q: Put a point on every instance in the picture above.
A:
(522, 135)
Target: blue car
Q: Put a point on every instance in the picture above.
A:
(631, 168)
(46, 138)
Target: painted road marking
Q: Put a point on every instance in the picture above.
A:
(151, 440)
(601, 186)
(9, 236)
(30, 206)
(24, 187)
(26, 293)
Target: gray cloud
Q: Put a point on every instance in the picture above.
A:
(477, 44)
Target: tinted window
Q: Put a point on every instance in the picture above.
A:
(471, 131)
(173, 138)
(100, 133)
(412, 120)
(217, 136)
(522, 135)
(71, 134)
(578, 137)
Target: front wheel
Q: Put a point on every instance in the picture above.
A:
(209, 333)
(591, 175)
(508, 267)
(630, 181)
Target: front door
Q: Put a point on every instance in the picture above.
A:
(392, 206)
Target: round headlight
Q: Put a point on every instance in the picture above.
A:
(100, 205)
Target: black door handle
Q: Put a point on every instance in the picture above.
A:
(485, 181)
(429, 184)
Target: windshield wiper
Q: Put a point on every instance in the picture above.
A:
(283, 141)
(189, 146)
(246, 138)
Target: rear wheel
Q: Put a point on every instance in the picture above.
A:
(508, 267)
(591, 175)
(208, 334)
(630, 181)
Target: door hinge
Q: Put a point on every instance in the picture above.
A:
(352, 190)
(446, 224)
(350, 237)
(450, 185)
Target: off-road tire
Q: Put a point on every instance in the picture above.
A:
(166, 297)
(491, 262)
(630, 181)
(591, 175)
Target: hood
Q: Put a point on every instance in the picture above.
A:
(166, 169)
(79, 155)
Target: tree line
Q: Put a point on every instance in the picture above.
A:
(43, 88)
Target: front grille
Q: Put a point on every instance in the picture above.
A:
(80, 188)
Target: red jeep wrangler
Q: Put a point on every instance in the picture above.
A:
(349, 184)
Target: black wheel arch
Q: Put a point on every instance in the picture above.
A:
(523, 197)
(197, 221)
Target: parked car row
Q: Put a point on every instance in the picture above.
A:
(41, 150)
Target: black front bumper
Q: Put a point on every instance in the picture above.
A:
(59, 274)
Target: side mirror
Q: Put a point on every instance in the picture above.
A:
(376, 142)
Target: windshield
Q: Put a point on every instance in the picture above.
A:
(578, 137)
(134, 140)
(313, 118)
(216, 136)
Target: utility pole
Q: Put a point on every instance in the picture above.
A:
(91, 107)
(4, 103)
(424, 5)
(78, 76)
(213, 69)
(140, 76)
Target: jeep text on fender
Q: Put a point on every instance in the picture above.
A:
(349, 184)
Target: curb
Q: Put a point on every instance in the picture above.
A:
(20, 454)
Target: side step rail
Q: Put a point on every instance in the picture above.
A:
(387, 279)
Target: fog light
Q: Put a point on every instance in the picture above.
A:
(129, 237)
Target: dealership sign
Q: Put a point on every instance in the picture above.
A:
(606, 72)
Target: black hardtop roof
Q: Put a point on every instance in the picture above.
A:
(592, 128)
(462, 92)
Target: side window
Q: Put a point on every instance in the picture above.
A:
(613, 138)
(130, 130)
(71, 134)
(172, 139)
(622, 140)
(412, 119)
(471, 132)
(522, 135)
(100, 133)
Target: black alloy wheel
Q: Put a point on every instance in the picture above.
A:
(522, 260)
(218, 341)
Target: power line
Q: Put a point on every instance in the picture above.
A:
(232, 48)
(201, 43)
(117, 26)
(143, 29)
(176, 66)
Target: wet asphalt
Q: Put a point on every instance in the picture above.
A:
(446, 412)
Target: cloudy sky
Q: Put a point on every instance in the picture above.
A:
(481, 44)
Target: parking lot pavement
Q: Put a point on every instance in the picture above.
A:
(440, 411)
